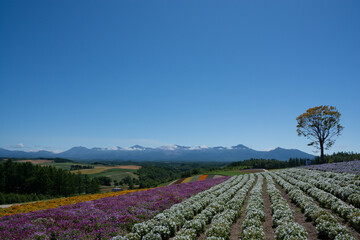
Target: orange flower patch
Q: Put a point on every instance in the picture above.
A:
(54, 203)
(202, 177)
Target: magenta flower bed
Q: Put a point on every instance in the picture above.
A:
(99, 219)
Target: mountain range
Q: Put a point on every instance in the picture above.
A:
(164, 153)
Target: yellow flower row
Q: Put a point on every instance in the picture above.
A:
(54, 203)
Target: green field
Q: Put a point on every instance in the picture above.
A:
(226, 173)
(64, 166)
(115, 173)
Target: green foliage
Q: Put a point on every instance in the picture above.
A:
(320, 125)
(116, 183)
(104, 180)
(79, 167)
(226, 173)
(268, 163)
(190, 173)
(295, 162)
(260, 163)
(10, 198)
(27, 178)
(61, 160)
(339, 157)
(151, 176)
(155, 173)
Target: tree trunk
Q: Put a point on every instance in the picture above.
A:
(322, 158)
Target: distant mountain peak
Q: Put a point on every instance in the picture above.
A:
(240, 146)
(168, 153)
(279, 149)
(220, 148)
(98, 149)
(79, 147)
(137, 147)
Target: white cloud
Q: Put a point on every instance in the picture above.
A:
(198, 147)
(169, 147)
(269, 149)
(19, 145)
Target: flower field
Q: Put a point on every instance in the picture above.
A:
(284, 204)
(54, 203)
(102, 218)
(196, 178)
(340, 167)
(216, 212)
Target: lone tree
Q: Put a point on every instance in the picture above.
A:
(320, 125)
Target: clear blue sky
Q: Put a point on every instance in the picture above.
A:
(119, 73)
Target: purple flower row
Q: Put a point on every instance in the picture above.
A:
(340, 167)
(99, 219)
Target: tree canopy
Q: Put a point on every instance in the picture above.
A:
(321, 125)
(29, 179)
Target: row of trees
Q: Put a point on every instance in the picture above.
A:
(151, 176)
(80, 167)
(295, 162)
(8, 198)
(262, 163)
(338, 157)
(27, 178)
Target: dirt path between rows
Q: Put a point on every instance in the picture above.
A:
(300, 218)
(236, 228)
(353, 232)
(268, 224)
(235, 231)
(269, 230)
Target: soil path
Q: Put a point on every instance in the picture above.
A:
(268, 224)
(353, 232)
(300, 218)
(236, 228)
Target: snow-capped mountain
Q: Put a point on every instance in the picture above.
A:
(164, 153)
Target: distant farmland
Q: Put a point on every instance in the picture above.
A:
(117, 172)
(114, 172)
(100, 169)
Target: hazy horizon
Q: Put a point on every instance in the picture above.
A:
(22, 148)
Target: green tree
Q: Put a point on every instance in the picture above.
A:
(94, 186)
(104, 180)
(320, 125)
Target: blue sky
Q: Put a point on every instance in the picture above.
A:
(119, 73)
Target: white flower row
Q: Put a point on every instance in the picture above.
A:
(327, 226)
(167, 223)
(348, 212)
(194, 227)
(222, 222)
(219, 207)
(340, 178)
(344, 190)
(283, 216)
(337, 176)
(252, 226)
